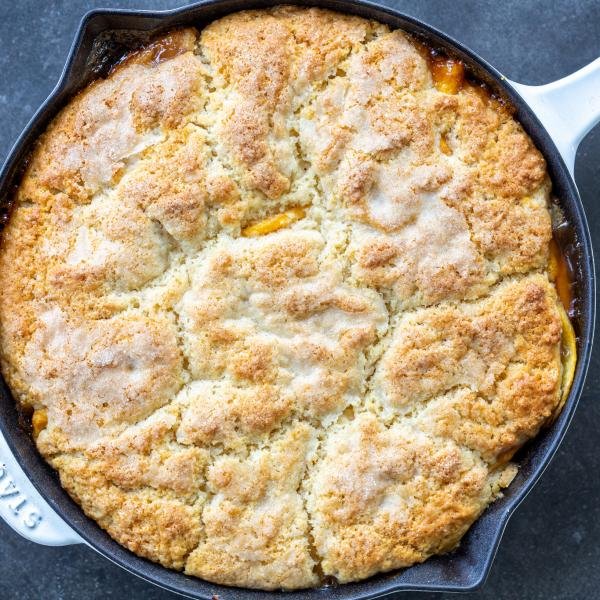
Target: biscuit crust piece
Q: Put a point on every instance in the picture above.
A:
(280, 301)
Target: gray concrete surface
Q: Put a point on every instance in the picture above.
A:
(550, 550)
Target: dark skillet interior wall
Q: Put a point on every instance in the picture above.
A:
(550, 548)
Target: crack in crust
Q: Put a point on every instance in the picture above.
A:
(337, 398)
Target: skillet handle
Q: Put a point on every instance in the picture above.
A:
(568, 108)
(23, 509)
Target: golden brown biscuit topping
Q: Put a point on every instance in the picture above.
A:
(279, 296)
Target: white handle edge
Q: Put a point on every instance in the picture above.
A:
(568, 108)
(24, 510)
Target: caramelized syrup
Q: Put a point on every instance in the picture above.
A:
(164, 49)
(155, 52)
(559, 271)
(448, 74)
(451, 72)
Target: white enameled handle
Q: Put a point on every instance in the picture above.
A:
(22, 507)
(568, 108)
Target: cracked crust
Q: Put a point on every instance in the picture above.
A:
(337, 397)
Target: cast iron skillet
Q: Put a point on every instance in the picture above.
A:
(103, 36)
